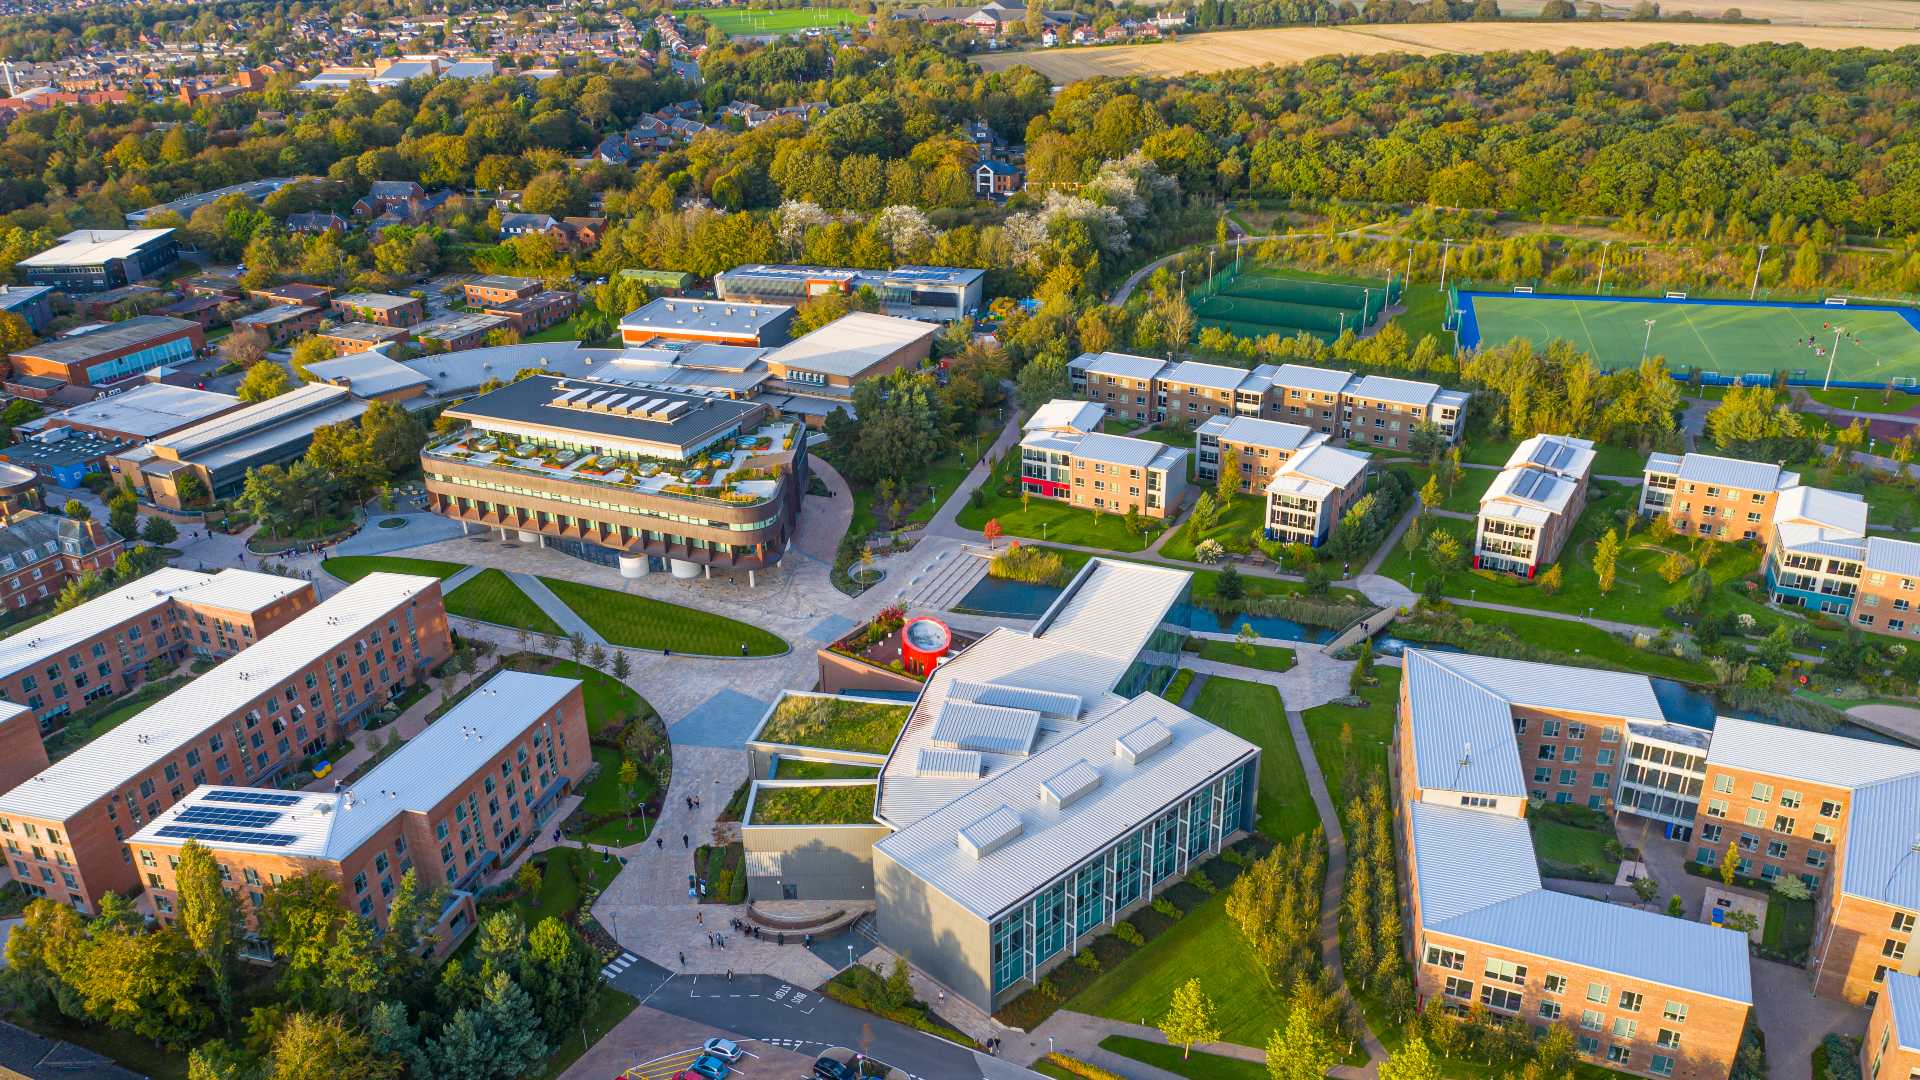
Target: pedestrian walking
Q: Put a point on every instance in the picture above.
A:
(683, 959)
(659, 843)
(700, 917)
(689, 892)
(684, 842)
(729, 974)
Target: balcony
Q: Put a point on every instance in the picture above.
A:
(745, 470)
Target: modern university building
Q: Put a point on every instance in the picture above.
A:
(1037, 791)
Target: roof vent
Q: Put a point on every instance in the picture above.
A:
(1067, 786)
(1142, 742)
(991, 833)
(948, 765)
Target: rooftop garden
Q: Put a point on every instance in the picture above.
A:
(827, 804)
(835, 723)
(878, 642)
(741, 469)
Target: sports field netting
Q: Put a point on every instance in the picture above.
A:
(1731, 338)
(1258, 303)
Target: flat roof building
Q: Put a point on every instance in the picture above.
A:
(370, 376)
(463, 797)
(498, 289)
(246, 722)
(63, 455)
(95, 260)
(252, 190)
(281, 323)
(112, 353)
(1530, 509)
(220, 451)
(942, 293)
(381, 309)
(605, 470)
(358, 337)
(145, 412)
(857, 346)
(459, 330)
(33, 303)
(726, 322)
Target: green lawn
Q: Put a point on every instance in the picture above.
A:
(1372, 729)
(1466, 493)
(753, 21)
(1254, 712)
(491, 596)
(1565, 636)
(839, 804)
(1425, 314)
(1789, 925)
(354, 567)
(1887, 503)
(1234, 529)
(1206, 945)
(567, 329)
(1172, 436)
(1044, 519)
(1197, 1066)
(1607, 460)
(563, 873)
(606, 795)
(642, 622)
(836, 723)
(604, 1013)
(607, 698)
(795, 769)
(1873, 401)
(1560, 845)
(1639, 594)
(1264, 657)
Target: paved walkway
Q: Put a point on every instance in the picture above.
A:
(570, 621)
(468, 574)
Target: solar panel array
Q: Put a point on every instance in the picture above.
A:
(263, 798)
(226, 836)
(1533, 484)
(226, 815)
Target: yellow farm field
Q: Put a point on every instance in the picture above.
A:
(1226, 50)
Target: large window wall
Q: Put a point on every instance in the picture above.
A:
(1152, 855)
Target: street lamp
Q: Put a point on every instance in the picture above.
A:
(1757, 262)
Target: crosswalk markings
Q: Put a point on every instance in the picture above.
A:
(617, 965)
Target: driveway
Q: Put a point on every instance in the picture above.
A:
(1794, 1020)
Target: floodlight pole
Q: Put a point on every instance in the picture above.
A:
(1648, 343)
(1601, 285)
(1446, 249)
(1407, 278)
(1757, 263)
(1831, 353)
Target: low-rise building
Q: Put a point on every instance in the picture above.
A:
(1643, 993)
(1258, 447)
(33, 303)
(1380, 411)
(1891, 1049)
(149, 411)
(357, 337)
(1114, 474)
(1720, 497)
(381, 309)
(532, 314)
(203, 310)
(279, 324)
(1312, 491)
(108, 354)
(370, 376)
(220, 451)
(723, 322)
(63, 455)
(457, 331)
(1530, 509)
(499, 289)
(104, 647)
(1817, 552)
(941, 293)
(95, 260)
(605, 472)
(40, 553)
(463, 797)
(857, 346)
(247, 722)
(294, 294)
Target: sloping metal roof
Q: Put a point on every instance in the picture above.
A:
(1842, 510)
(1903, 1001)
(1252, 431)
(368, 374)
(1467, 859)
(1398, 391)
(1883, 834)
(1047, 703)
(1664, 464)
(1119, 365)
(1534, 488)
(1562, 454)
(1053, 839)
(1732, 472)
(1210, 376)
(1319, 380)
(985, 729)
(948, 764)
(1118, 450)
(1066, 414)
(1893, 556)
(1463, 732)
(1807, 755)
(1552, 686)
(851, 344)
(1070, 783)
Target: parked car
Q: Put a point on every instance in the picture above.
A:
(724, 1049)
(840, 1063)
(709, 1068)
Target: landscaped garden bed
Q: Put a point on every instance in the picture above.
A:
(821, 804)
(834, 723)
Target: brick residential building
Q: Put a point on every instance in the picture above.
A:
(281, 323)
(247, 722)
(463, 797)
(1643, 993)
(381, 309)
(1891, 1050)
(532, 314)
(39, 553)
(498, 289)
(1311, 492)
(1530, 509)
(1720, 497)
(1113, 473)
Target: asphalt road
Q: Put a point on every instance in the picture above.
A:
(799, 1019)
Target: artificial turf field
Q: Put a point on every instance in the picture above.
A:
(750, 21)
(1259, 302)
(1730, 339)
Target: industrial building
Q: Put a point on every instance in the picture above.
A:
(110, 353)
(248, 721)
(95, 260)
(145, 412)
(939, 293)
(220, 451)
(724, 322)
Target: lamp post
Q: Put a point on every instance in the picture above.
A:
(1831, 353)
(1648, 343)
(1758, 261)
(1446, 249)
(1601, 285)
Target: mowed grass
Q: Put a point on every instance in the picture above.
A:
(1045, 519)
(1556, 843)
(607, 699)
(738, 20)
(1254, 712)
(641, 622)
(1351, 766)
(1264, 657)
(351, 568)
(491, 596)
(1195, 1066)
(1730, 339)
(1607, 460)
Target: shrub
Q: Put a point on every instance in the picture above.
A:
(1165, 907)
(1079, 1068)
(1087, 960)
(1199, 880)
(1029, 564)
(1128, 933)
(1842, 1054)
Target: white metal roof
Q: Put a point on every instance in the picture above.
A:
(985, 729)
(1552, 686)
(1080, 648)
(233, 590)
(1731, 472)
(1903, 1001)
(1450, 841)
(1664, 464)
(1066, 414)
(1530, 488)
(1272, 434)
(149, 410)
(1034, 839)
(851, 344)
(1318, 380)
(1320, 471)
(367, 374)
(1893, 556)
(86, 247)
(1814, 756)
(1398, 391)
(1882, 859)
(717, 317)
(1463, 732)
(1119, 365)
(1209, 376)
(1841, 510)
(77, 781)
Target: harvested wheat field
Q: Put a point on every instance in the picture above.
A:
(1226, 50)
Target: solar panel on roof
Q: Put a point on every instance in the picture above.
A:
(228, 815)
(264, 798)
(226, 836)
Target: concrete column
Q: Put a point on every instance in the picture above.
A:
(466, 527)
(543, 539)
(706, 571)
(751, 584)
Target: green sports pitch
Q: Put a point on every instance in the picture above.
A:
(1259, 302)
(1876, 344)
(750, 21)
